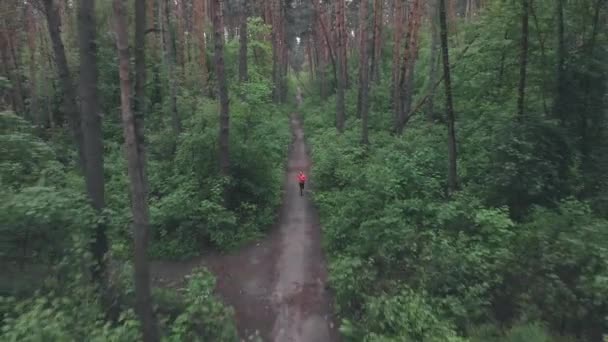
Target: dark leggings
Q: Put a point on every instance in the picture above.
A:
(301, 188)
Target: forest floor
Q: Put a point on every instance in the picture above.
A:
(277, 285)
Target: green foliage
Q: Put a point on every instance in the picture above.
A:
(24, 158)
(52, 319)
(518, 254)
(201, 316)
(38, 222)
(205, 317)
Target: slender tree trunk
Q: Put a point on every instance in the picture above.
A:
(70, 106)
(169, 40)
(434, 59)
(409, 62)
(311, 58)
(91, 120)
(14, 39)
(139, 104)
(523, 60)
(321, 17)
(344, 35)
(32, 31)
(398, 16)
(135, 154)
(9, 71)
(49, 93)
(452, 173)
(276, 51)
(6, 97)
(243, 73)
(11, 65)
(179, 36)
(200, 20)
(376, 57)
(363, 107)
(558, 103)
(320, 49)
(224, 133)
(340, 106)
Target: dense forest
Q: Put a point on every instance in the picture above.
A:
(459, 163)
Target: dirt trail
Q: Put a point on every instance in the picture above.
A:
(277, 285)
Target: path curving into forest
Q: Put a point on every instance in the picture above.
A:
(277, 286)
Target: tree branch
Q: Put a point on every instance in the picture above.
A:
(431, 89)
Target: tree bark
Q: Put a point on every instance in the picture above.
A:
(276, 49)
(363, 105)
(12, 73)
(32, 31)
(398, 16)
(135, 154)
(340, 106)
(68, 89)
(341, 17)
(409, 62)
(243, 73)
(140, 78)
(170, 61)
(224, 133)
(376, 57)
(91, 120)
(452, 170)
(434, 59)
(320, 11)
(8, 35)
(523, 60)
(311, 58)
(200, 20)
(558, 103)
(179, 36)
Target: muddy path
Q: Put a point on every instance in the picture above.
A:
(277, 286)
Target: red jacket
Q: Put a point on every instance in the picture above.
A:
(301, 178)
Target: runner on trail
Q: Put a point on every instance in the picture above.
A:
(302, 181)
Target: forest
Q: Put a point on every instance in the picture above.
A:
(458, 172)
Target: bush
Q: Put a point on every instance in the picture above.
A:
(205, 317)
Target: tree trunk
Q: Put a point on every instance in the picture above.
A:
(398, 17)
(200, 20)
(170, 61)
(344, 35)
(11, 65)
(523, 60)
(434, 59)
(310, 57)
(340, 115)
(363, 105)
(224, 133)
(32, 31)
(320, 11)
(243, 74)
(319, 52)
(139, 104)
(452, 171)
(276, 50)
(49, 120)
(558, 103)
(376, 57)
(9, 70)
(70, 106)
(92, 130)
(135, 153)
(179, 36)
(7, 96)
(409, 62)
